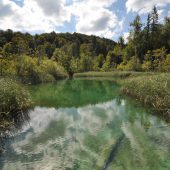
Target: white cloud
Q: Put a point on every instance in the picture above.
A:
(34, 15)
(93, 17)
(169, 13)
(56, 9)
(40, 123)
(5, 9)
(125, 36)
(144, 6)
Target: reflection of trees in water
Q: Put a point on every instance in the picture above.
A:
(10, 126)
(74, 93)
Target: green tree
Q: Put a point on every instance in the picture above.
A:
(133, 64)
(154, 27)
(166, 64)
(107, 64)
(154, 60)
(98, 62)
(148, 62)
(136, 35)
(1, 62)
(154, 19)
(49, 49)
(159, 56)
(148, 29)
(85, 63)
(9, 49)
(75, 65)
(165, 39)
(121, 42)
(64, 60)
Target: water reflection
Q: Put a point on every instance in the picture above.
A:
(114, 134)
(10, 126)
(82, 138)
(74, 93)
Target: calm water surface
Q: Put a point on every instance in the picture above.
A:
(86, 125)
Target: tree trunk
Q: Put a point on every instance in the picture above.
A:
(70, 75)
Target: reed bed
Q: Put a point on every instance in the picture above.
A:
(14, 99)
(152, 91)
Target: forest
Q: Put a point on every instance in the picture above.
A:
(49, 56)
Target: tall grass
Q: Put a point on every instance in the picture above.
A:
(113, 74)
(14, 102)
(14, 99)
(152, 90)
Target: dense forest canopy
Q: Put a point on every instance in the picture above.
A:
(23, 43)
(50, 55)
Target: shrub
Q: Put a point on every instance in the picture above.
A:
(14, 99)
(32, 70)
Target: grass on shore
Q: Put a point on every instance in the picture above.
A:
(113, 74)
(14, 99)
(152, 91)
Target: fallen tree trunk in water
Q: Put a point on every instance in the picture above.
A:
(114, 151)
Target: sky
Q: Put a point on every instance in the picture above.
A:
(104, 18)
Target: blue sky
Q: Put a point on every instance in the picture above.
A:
(105, 18)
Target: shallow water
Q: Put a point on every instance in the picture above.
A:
(86, 125)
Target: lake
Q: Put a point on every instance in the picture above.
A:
(86, 125)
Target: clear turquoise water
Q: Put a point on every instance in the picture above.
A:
(86, 125)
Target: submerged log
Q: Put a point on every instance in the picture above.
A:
(114, 151)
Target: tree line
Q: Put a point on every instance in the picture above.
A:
(45, 55)
(148, 45)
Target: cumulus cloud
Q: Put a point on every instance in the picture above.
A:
(34, 15)
(144, 6)
(55, 8)
(91, 16)
(126, 36)
(5, 9)
(94, 17)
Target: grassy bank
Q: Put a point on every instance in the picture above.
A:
(115, 74)
(149, 88)
(152, 91)
(14, 101)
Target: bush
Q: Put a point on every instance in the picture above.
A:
(132, 65)
(31, 70)
(14, 99)
(156, 60)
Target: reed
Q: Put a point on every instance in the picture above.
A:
(150, 90)
(14, 99)
(113, 74)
